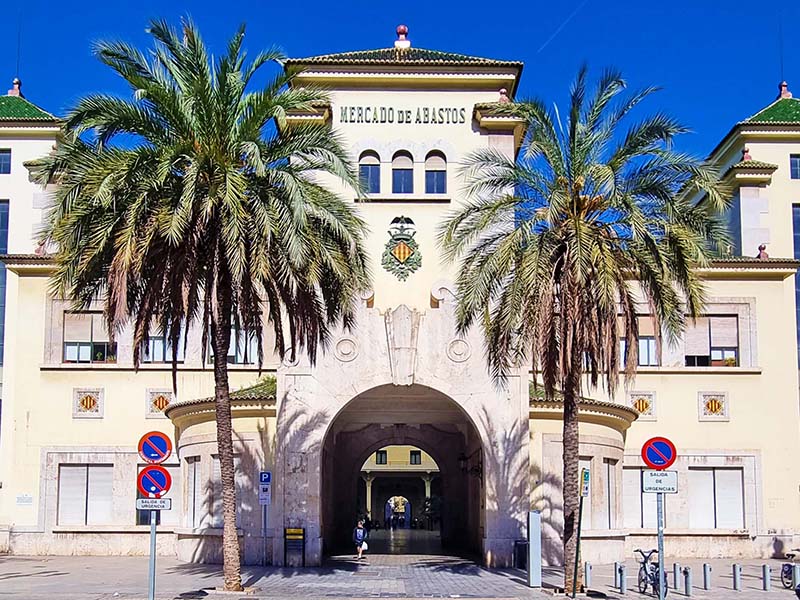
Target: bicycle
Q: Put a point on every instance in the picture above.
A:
(787, 568)
(650, 576)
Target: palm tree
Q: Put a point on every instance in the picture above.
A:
(561, 248)
(192, 202)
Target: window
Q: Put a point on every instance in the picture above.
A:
(3, 250)
(369, 172)
(195, 489)
(416, 457)
(402, 173)
(610, 467)
(381, 458)
(794, 166)
(242, 349)
(163, 517)
(716, 498)
(435, 173)
(638, 509)
(86, 339)
(5, 162)
(648, 349)
(158, 349)
(216, 492)
(85, 494)
(712, 342)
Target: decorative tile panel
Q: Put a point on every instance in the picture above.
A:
(645, 403)
(156, 401)
(87, 403)
(713, 406)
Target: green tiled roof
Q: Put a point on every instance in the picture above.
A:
(17, 108)
(754, 164)
(783, 111)
(264, 389)
(401, 56)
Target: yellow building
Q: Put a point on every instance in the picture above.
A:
(726, 394)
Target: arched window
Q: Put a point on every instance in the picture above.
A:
(369, 171)
(402, 173)
(435, 173)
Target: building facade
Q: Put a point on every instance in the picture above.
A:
(726, 393)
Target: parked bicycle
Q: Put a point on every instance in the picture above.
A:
(787, 567)
(649, 575)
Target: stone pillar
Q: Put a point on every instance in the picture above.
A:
(427, 478)
(368, 479)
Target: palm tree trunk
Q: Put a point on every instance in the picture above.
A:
(571, 457)
(220, 335)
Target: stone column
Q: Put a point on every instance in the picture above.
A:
(368, 479)
(427, 478)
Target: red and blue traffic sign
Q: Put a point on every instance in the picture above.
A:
(154, 481)
(659, 453)
(155, 447)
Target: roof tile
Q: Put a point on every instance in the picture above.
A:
(783, 111)
(17, 108)
(401, 56)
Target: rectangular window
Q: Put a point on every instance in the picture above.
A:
(85, 494)
(610, 467)
(794, 166)
(381, 458)
(242, 349)
(195, 491)
(3, 250)
(157, 349)
(86, 339)
(712, 341)
(716, 498)
(163, 517)
(638, 508)
(416, 457)
(370, 176)
(435, 182)
(216, 492)
(402, 181)
(648, 349)
(5, 161)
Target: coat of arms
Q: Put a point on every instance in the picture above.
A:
(401, 255)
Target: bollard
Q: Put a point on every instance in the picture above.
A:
(706, 576)
(687, 581)
(616, 574)
(795, 576)
(737, 577)
(676, 576)
(765, 578)
(623, 585)
(587, 575)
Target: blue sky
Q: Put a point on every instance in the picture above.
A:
(718, 62)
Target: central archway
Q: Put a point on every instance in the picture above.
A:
(410, 417)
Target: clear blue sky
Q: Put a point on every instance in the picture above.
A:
(717, 60)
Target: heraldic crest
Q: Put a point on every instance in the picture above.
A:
(401, 255)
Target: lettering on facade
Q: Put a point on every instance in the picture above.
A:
(438, 115)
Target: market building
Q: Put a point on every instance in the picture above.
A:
(726, 394)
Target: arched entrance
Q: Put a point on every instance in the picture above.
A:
(371, 441)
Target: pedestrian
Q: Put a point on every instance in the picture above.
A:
(360, 539)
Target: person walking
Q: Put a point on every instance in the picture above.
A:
(360, 539)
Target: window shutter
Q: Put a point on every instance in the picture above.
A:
(586, 519)
(72, 494)
(631, 499)
(77, 327)
(215, 517)
(696, 341)
(100, 495)
(729, 495)
(171, 517)
(646, 326)
(725, 331)
(611, 492)
(99, 331)
(701, 499)
(650, 508)
(194, 493)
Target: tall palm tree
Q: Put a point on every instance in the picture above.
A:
(588, 227)
(191, 202)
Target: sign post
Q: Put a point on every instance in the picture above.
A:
(659, 454)
(585, 478)
(154, 482)
(265, 499)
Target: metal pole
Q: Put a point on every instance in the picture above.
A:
(795, 576)
(676, 575)
(534, 549)
(765, 578)
(577, 549)
(687, 581)
(660, 518)
(151, 592)
(264, 531)
(737, 577)
(706, 576)
(616, 574)
(623, 584)
(587, 575)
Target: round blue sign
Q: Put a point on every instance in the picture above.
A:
(154, 481)
(659, 453)
(155, 447)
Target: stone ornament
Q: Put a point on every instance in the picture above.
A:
(458, 350)
(156, 401)
(87, 403)
(713, 406)
(346, 349)
(401, 255)
(645, 403)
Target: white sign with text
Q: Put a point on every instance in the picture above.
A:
(665, 482)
